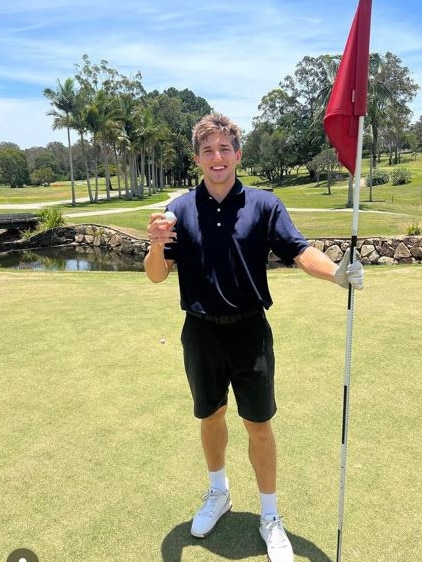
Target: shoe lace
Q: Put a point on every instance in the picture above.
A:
(210, 499)
(276, 535)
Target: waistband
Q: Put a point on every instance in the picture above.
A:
(226, 318)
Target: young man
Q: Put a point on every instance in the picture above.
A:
(220, 240)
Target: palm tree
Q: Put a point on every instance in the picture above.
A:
(163, 139)
(63, 100)
(380, 98)
(151, 133)
(129, 141)
(103, 118)
(79, 123)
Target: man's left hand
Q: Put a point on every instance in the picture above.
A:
(349, 273)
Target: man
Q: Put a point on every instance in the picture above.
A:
(220, 238)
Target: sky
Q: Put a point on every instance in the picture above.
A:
(232, 53)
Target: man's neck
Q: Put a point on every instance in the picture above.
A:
(219, 192)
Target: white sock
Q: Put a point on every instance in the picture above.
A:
(269, 505)
(218, 480)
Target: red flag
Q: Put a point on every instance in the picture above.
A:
(348, 98)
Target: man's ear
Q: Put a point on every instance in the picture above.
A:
(238, 156)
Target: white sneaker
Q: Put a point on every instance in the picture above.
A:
(216, 504)
(273, 534)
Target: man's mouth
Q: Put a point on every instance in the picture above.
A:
(218, 168)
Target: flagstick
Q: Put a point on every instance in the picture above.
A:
(349, 336)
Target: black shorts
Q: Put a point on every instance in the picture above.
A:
(240, 354)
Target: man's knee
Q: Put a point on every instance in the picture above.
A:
(259, 430)
(215, 418)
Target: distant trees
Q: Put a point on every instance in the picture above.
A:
(390, 89)
(414, 136)
(13, 166)
(292, 115)
(288, 132)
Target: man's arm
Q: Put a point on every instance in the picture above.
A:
(316, 263)
(160, 231)
(156, 266)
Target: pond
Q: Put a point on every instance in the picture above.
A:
(78, 258)
(70, 258)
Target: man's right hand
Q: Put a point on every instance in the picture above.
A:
(160, 230)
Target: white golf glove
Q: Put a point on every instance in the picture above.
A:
(349, 273)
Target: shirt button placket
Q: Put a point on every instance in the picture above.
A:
(218, 211)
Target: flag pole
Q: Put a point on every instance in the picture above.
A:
(349, 340)
(343, 123)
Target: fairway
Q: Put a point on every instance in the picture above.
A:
(101, 456)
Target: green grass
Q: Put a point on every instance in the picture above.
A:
(61, 191)
(330, 224)
(101, 457)
(35, 194)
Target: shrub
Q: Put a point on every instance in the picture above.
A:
(50, 217)
(414, 229)
(400, 176)
(379, 177)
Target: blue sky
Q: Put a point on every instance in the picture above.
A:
(230, 53)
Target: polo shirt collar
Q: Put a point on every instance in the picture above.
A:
(237, 189)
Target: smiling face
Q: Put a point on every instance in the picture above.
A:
(218, 160)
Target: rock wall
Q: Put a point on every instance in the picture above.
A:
(85, 235)
(371, 251)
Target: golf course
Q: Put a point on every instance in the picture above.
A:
(100, 452)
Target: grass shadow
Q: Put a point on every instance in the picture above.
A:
(236, 538)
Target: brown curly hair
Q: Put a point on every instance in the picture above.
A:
(215, 123)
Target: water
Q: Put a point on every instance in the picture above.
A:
(77, 258)
(70, 258)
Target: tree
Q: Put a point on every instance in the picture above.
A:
(390, 90)
(43, 176)
(415, 131)
(178, 111)
(103, 120)
(13, 167)
(326, 161)
(63, 100)
(9, 146)
(60, 155)
(105, 115)
(46, 159)
(251, 148)
(293, 109)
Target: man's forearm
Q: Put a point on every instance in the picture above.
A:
(156, 267)
(316, 263)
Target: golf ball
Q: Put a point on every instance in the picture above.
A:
(169, 216)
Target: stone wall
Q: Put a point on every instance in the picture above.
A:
(371, 251)
(85, 235)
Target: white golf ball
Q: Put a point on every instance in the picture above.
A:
(169, 216)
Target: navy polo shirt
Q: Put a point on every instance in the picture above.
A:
(222, 248)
